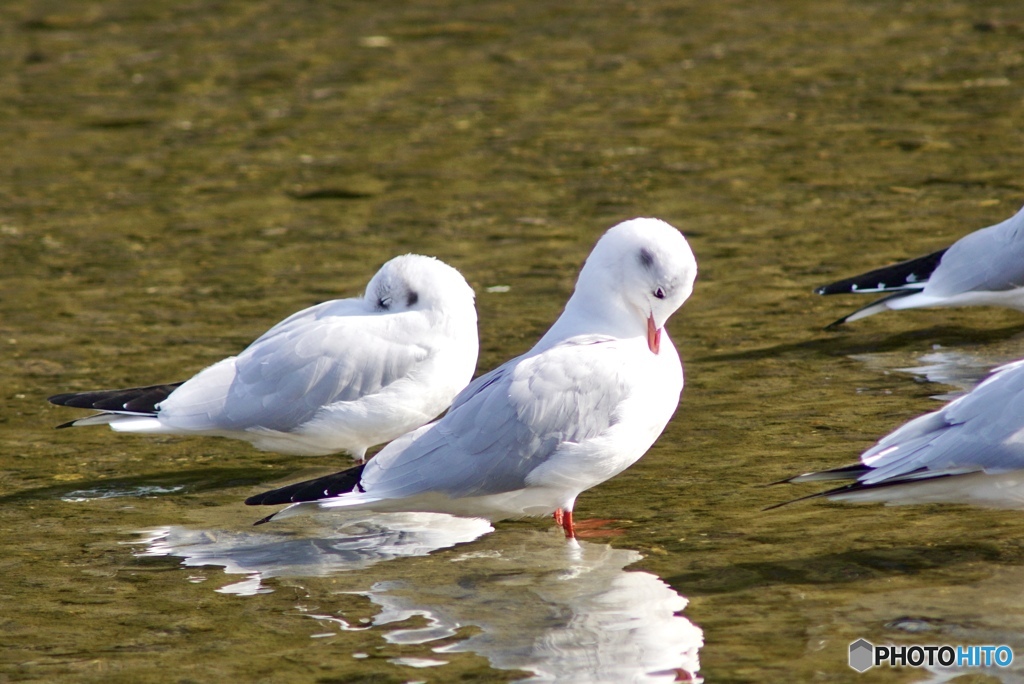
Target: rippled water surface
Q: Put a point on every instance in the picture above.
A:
(179, 176)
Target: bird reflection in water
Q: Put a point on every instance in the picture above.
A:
(561, 611)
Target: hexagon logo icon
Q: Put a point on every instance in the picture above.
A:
(862, 655)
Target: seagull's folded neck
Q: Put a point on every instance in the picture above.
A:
(595, 316)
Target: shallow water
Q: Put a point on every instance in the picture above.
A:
(180, 176)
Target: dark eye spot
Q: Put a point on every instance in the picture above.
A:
(645, 258)
(412, 299)
(384, 303)
(659, 293)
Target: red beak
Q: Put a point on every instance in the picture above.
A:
(653, 335)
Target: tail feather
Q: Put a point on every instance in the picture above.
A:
(311, 490)
(142, 400)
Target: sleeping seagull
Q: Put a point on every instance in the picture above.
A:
(971, 451)
(983, 268)
(580, 407)
(343, 375)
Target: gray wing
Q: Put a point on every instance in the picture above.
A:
(315, 358)
(983, 430)
(990, 260)
(505, 424)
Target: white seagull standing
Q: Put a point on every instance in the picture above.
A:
(343, 375)
(984, 268)
(580, 407)
(971, 451)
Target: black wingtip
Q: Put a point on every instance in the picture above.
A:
(786, 480)
(816, 495)
(141, 400)
(792, 501)
(847, 472)
(262, 521)
(310, 490)
(852, 487)
(839, 287)
(910, 274)
(871, 309)
(835, 325)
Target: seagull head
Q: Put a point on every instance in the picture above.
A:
(416, 282)
(638, 274)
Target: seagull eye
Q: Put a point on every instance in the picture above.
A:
(384, 303)
(659, 293)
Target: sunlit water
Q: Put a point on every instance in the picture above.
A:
(958, 368)
(178, 177)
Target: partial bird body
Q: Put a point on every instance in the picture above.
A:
(984, 268)
(580, 407)
(565, 419)
(339, 376)
(971, 451)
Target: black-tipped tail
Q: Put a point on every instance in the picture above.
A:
(906, 274)
(311, 490)
(142, 400)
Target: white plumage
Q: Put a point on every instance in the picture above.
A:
(971, 451)
(581, 406)
(983, 268)
(343, 375)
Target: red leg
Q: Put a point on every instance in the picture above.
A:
(570, 529)
(594, 527)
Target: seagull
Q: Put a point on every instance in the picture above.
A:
(343, 375)
(971, 451)
(586, 402)
(984, 268)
